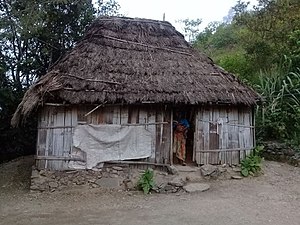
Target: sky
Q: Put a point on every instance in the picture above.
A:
(207, 10)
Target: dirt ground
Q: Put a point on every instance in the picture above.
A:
(273, 198)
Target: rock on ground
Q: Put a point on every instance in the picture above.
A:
(196, 187)
(209, 170)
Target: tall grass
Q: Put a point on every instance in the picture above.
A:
(279, 116)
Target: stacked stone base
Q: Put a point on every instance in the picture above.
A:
(281, 152)
(112, 178)
(126, 178)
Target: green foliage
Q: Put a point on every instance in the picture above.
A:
(261, 36)
(294, 46)
(251, 165)
(235, 62)
(34, 35)
(190, 28)
(146, 181)
(262, 46)
(279, 116)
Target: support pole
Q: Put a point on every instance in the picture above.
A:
(171, 144)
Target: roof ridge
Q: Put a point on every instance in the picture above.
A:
(135, 20)
(141, 44)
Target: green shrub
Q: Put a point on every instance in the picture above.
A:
(146, 181)
(251, 165)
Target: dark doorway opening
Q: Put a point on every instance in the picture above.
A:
(188, 113)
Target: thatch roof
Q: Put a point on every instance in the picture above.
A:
(125, 60)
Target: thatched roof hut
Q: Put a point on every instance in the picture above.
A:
(125, 60)
(130, 62)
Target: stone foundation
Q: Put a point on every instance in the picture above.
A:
(281, 152)
(126, 178)
(113, 178)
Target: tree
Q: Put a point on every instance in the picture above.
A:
(261, 45)
(190, 28)
(34, 35)
(270, 24)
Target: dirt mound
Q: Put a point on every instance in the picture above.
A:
(15, 175)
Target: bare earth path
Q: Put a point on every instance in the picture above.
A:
(273, 198)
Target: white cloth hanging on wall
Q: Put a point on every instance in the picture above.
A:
(102, 143)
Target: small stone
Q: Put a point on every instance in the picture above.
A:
(196, 187)
(80, 182)
(177, 182)
(42, 172)
(71, 171)
(34, 188)
(118, 168)
(53, 185)
(163, 173)
(222, 170)
(172, 170)
(43, 187)
(161, 185)
(289, 152)
(155, 189)
(168, 188)
(39, 180)
(114, 176)
(130, 186)
(175, 189)
(208, 170)
(35, 174)
(236, 177)
(91, 181)
(237, 169)
(100, 165)
(114, 172)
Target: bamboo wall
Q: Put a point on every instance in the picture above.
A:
(223, 135)
(56, 125)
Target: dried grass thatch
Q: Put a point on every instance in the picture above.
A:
(125, 60)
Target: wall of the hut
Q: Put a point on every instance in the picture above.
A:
(223, 134)
(56, 127)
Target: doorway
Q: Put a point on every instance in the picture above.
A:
(188, 113)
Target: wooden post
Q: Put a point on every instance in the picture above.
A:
(253, 127)
(171, 144)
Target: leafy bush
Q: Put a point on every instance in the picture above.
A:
(146, 181)
(251, 165)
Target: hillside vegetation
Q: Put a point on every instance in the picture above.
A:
(261, 45)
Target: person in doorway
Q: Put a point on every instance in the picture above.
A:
(181, 126)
